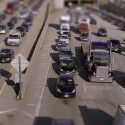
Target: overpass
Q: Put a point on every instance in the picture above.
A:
(61, 3)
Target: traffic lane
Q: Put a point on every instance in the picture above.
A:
(10, 105)
(80, 99)
(103, 95)
(54, 107)
(3, 5)
(8, 67)
(112, 30)
(97, 95)
(117, 91)
(25, 40)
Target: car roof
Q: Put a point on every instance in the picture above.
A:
(65, 49)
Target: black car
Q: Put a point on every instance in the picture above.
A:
(116, 45)
(10, 25)
(65, 52)
(102, 32)
(25, 26)
(93, 21)
(21, 30)
(29, 20)
(2, 17)
(67, 65)
(6, 55)
(65, 86)
(14, 20)
(60, 44)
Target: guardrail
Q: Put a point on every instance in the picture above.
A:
(46, 10)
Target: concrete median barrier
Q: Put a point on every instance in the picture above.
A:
(46, 11)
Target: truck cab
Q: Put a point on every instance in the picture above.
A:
(98, 61)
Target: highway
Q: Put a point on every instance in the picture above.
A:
(95, 103)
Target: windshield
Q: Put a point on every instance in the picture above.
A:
(13, 36)
(2, 27)
(102, 30)
(116, 42)
(63, 37)
(66, 52)
(5, 52)
(66, 84)
(101, 58)
(100, 45)
(67, 63)
(84, 34)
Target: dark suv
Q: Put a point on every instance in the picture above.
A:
(67, 65)
(65, 52)
(65, 86)
(116, 45)
(6, 55)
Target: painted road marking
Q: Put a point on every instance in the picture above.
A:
(4, 84)
(84, 87)
(2, 88)
(37, 111)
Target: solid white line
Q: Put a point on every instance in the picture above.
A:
(37, 111)
(84, 87)
(123, 90)
(113, 60)
(6, 111)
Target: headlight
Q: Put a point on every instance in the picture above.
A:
(110, 74)
(74, 91)
(58, 90)
(94, 73)
(61, 69)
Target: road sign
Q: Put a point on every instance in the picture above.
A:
(17, 77)
(23, 62)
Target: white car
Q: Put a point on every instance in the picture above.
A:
(65, 27)
(14, 39)
(64, 38)
(23, 13)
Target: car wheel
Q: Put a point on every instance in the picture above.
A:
(119, 52)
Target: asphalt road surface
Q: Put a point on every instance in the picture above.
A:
(95, 103)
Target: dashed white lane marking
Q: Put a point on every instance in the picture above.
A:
(7, 111)
(84, 87)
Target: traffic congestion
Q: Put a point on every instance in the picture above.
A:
(61, 65)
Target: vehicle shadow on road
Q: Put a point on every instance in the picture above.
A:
(54, 56)
(77, 38)
(6, 74)
(42, 121)
(80, 63)
(56, 26)
(95, 116)
(51, 84)
(56, 68)
(122, 51)
(15, 86)
(74, 29)
(119, 77)
(95, 33)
